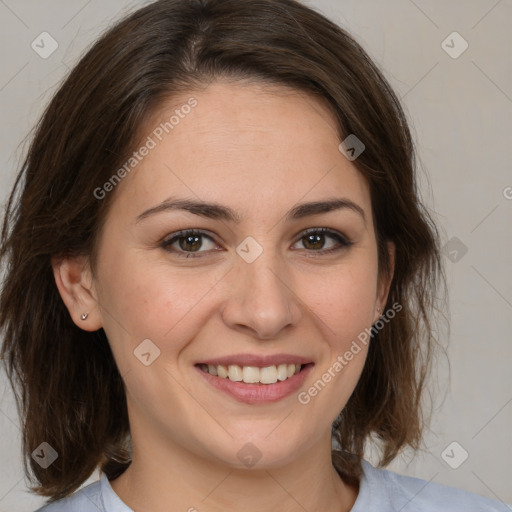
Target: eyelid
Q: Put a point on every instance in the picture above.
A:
(173, 237)
(333, 233)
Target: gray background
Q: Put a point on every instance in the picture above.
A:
(460, 110)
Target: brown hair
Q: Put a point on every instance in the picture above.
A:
(68, 389)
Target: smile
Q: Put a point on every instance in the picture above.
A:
(256, 380)
(253, 374)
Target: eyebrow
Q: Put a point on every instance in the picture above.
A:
(217, 211)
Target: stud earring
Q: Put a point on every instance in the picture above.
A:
(84, 316)
(379, 309)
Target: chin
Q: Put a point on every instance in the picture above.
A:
(260, 449)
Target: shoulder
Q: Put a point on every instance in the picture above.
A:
(407, 494)
(87, 499)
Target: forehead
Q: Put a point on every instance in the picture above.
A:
(248, 145)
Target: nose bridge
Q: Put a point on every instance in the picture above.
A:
(265, 276)
(261, 298)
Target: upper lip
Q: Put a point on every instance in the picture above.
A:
(256, 360)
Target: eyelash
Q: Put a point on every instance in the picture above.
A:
(342, 241)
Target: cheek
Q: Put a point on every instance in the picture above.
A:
(346, 322)
(344, 299)
(344, 304)
(146, 299)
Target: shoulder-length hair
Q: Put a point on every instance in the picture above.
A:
(67, 386)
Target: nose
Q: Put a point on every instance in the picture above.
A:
(260, 300)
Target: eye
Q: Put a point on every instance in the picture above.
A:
(314, 240)
(186, 243)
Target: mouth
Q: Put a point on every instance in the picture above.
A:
(253, 374)
(256, 381)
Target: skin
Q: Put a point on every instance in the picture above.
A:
(260, 150)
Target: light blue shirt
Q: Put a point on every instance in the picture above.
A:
(380, 490)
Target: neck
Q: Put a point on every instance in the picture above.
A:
(160, 480)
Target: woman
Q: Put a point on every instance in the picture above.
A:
(217, 243)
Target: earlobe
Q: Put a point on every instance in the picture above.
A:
(74, 281)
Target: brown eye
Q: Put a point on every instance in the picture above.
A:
(314, 240)
(186, 243)
(192, 242)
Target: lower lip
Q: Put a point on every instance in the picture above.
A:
(258, 393)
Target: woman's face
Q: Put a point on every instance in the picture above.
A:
(254, 289)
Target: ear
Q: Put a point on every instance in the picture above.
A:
(384, 284)
(75, 284)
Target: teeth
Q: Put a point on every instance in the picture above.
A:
(282, 372)
(268, 375)
(222, 371)
(235, 373)
(253, 374)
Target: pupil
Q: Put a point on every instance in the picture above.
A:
(312, 238)
(190, 239)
